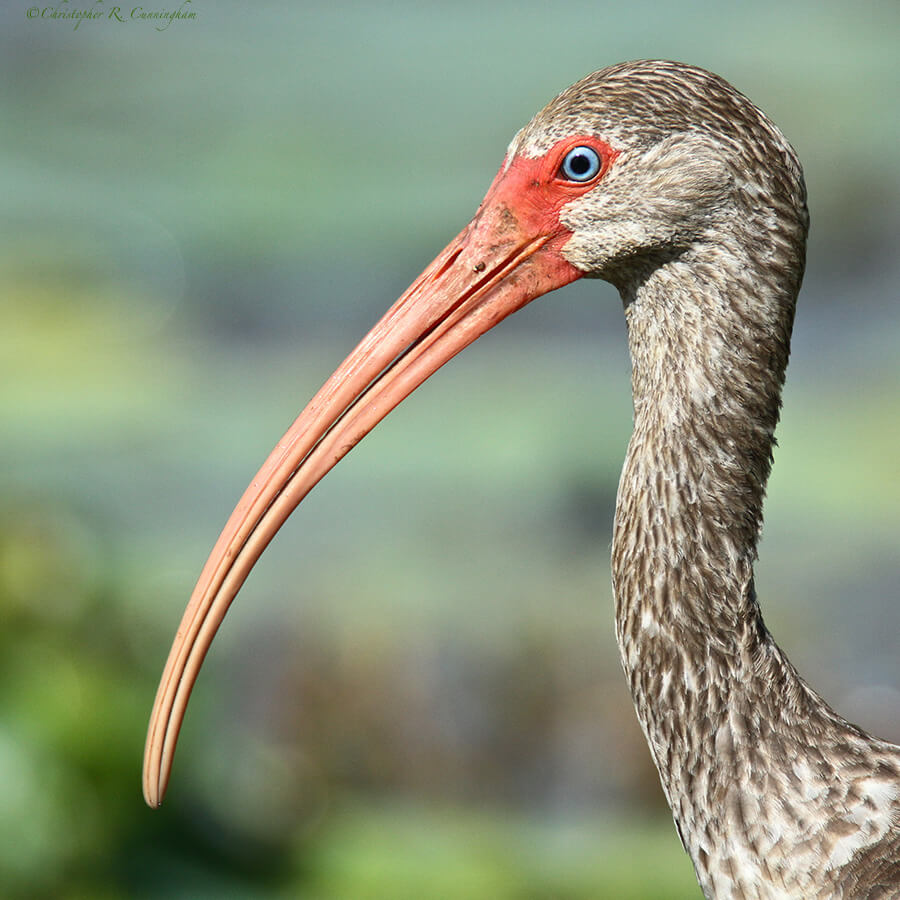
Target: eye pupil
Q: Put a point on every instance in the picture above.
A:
(581, 164)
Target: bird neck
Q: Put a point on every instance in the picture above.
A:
(708, 363)
(766, 783)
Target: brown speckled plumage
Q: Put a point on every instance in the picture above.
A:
(701, 225)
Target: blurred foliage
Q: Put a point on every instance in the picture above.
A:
(419, 692)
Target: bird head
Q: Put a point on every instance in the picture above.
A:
(687, 162)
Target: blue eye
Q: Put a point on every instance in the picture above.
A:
(581, 164)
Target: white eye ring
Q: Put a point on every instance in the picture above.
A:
(581, 164)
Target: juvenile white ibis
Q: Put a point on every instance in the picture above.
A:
(665, 181)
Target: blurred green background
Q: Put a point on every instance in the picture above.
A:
(418, 692)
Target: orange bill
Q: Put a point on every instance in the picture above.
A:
(509, 254)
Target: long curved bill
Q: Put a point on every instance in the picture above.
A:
(497, 264)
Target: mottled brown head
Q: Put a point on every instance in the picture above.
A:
(697, 163)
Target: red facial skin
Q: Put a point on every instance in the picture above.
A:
(535, 189)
